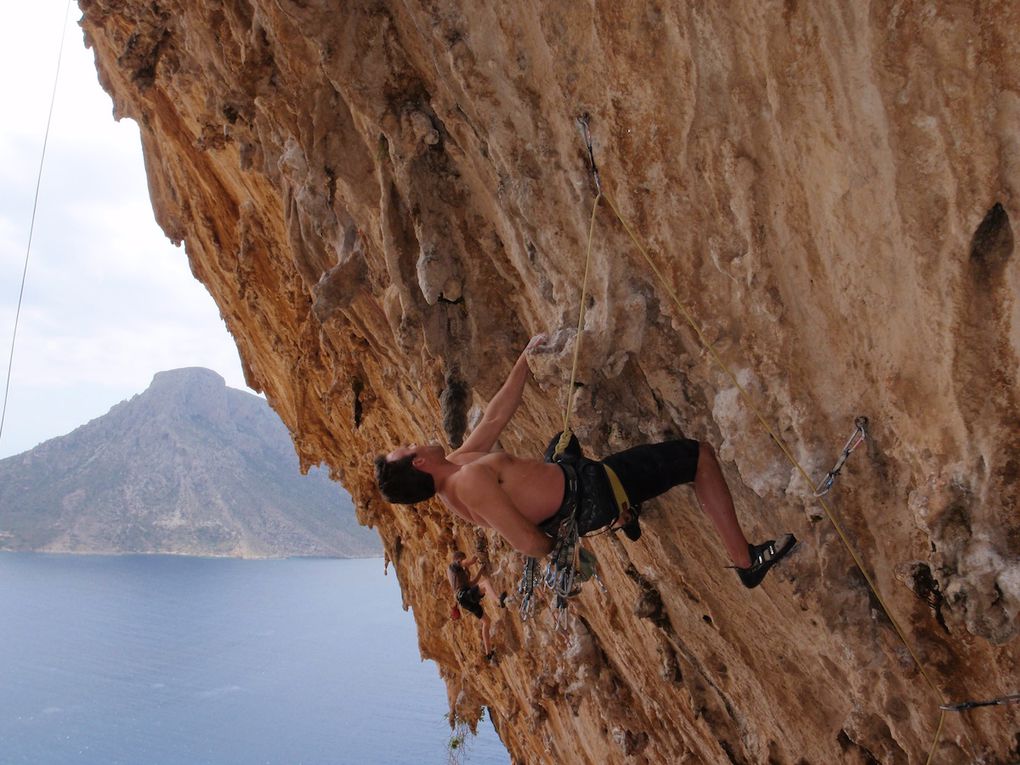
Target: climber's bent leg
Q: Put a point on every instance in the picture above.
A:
(716, 502)
(652, 469)
(486, 640)
(649, 470)
(486, 586)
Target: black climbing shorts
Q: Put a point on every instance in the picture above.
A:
(649, 470)
(645, 471)
(470, 598)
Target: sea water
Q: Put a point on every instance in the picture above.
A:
(163, 659)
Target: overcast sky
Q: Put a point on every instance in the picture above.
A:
(108, 301)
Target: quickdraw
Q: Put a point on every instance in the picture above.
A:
(965, 705)
(526, 588)
(561, 570)
(569, 565)
(586, 133)
(859, 435)
(560, 574)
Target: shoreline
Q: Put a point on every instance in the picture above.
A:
(121, 554)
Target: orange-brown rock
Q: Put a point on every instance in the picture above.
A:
(386, 199)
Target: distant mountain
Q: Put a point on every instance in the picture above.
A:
(190, 466)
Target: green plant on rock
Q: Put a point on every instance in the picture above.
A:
(457, 747)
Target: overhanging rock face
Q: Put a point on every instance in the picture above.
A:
(387, 199)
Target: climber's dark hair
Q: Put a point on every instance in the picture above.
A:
(401, 482)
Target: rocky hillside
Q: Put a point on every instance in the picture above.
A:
(387, 199)
(190, 466)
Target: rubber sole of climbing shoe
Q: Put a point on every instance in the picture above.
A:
(764, 557)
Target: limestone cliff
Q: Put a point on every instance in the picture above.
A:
(387, 198)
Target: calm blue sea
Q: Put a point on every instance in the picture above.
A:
(159, 659)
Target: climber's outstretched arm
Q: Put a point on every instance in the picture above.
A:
(502, 406)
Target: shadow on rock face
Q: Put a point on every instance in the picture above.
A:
(454, 403)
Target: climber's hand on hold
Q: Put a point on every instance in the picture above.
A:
(536, 342)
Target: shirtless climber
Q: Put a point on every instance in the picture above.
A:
(525, 500)
(469, 593)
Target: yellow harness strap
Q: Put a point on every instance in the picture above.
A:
(622, 501)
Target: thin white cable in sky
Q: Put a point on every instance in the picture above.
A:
(31, 226)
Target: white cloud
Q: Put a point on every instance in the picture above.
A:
(109, 300)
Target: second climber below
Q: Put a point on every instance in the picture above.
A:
(469, 592)
(525, 499)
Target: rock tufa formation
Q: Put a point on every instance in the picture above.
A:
(387, 199)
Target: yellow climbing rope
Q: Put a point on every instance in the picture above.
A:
(561, 446)
(708, 346)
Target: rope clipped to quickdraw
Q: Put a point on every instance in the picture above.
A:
(963, 706)
(583, 122)
(565, 560)
(565, 437)
(858, 438)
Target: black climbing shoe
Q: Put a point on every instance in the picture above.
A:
(502, 600)
(632, 528)
(764, 557)
(490, 657)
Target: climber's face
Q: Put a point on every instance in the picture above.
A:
(422, 455)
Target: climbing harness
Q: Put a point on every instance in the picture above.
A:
(570, 564)
(963, 706)
(31, 225)
(859, 435)
(619, 493)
